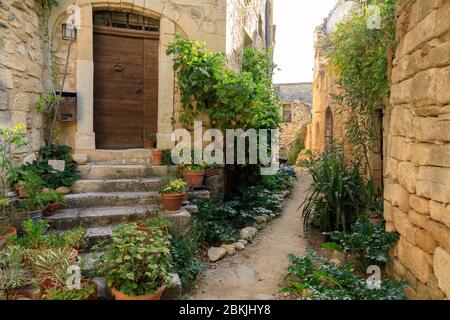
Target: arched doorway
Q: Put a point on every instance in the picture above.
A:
(328, 129)
(125, 51)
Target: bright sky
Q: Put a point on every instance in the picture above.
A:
(295, 22)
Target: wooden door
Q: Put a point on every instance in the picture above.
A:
(125, 88)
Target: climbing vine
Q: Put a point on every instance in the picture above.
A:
(231, 100)
(361, 57)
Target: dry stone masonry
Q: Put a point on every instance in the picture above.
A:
(417, 175)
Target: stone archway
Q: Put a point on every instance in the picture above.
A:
(328, 129)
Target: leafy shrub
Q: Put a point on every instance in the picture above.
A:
(338, 193)
(135, 263)
(174, 187)
(312, 277)
(369, 241)
(299, 145)
(86, 290)
(184, 249)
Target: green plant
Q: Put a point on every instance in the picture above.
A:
(10, 140)
(173, 187)
(157, 222)
(368, 240)
(74, 238)
(298, 146)
(312, 277)
(34, 234)
(184, 250)
(86, 290)
(361, 58)
(338, 193)
(134, 263)
(13, 274)
(167, 157)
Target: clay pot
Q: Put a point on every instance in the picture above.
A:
(11, 231)
(157, 157)
(211, 172)
(122, 296)
(148, 144)
(194, 178)
(52, 207)
(19, 217)
(21, 192)
(172, 202)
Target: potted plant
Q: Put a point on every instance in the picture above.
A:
(13, 274)
(136, 266)
(173, 194)
(54, 201)
(6, 232)
(87, 291)
(157, 222)
(194, 175)
(157, 156)
(149, 139)
(211, 170)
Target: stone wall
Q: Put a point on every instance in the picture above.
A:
(300, 116)
(417, 177)
(21, 68)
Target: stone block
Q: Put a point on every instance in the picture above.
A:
(440, 233)
(180, 221)
(420, 205)
(432, 183)
(400, 148)
(57, 165)
(441, 270)
(403, 225)
(397, 195)
(427, 154)
(415, 259)
(443, 92)
(425, 241)
(418, 219)
(407, 175)
(440, 212)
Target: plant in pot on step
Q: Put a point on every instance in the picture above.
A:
(13, 274)
(54, 200)
(194, 174)
(135, 265)
(173, 194)
(211, 169)
(149, 139)
(157, 222)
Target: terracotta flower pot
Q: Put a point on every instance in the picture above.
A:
(211, 172)
(9, 232)
(148, 144)
(52, 207)
(194, 178)
(21, 192)
(122, 296)
(157, 157)
(172, 202)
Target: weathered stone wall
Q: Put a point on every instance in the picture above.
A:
(246, 27)
(300, 116)
(417, 177)
(21, 68)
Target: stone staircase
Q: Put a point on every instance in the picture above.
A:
(115, 187)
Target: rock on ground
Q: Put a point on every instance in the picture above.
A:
(248, 233)
(216, 253)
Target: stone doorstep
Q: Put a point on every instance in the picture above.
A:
(93, 171)
(112, 199)
(116, 185)
(100, 216)
(99, 155)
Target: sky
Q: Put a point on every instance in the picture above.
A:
(295, 22)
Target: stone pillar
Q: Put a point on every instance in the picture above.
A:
(85, 136)
(165, 85)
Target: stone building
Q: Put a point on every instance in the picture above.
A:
(417, 127)
(416, 141)
(328, 121)
(117, 67)
(296, 104)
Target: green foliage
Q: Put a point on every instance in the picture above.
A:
(34, 234)
(312, 277)
(173, 187)
(12, 270)
(167, 157)
(74, 238)
(184, 250)
(361, 57)
(135, 263)
(232, 100)
(368, 240)
(298, 146)
(339, 193)
(86, 290)
(50, 177)
(10, 140)
(157, 222)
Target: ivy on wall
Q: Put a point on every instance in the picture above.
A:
(360, 57)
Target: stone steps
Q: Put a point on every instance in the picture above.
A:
(128, 156)
(111, 199)
(92, 171)
(117, 185)
(100, 216)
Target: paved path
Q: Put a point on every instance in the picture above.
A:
(257, 272)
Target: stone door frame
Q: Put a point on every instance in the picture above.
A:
(85, 135)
